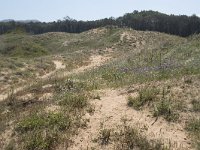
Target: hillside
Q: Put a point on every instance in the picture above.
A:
(106, 88)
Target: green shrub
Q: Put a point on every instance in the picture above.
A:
(196, 105)
(31, 123)
(104, 136)
(97, 97)
(35, 122)
(188, 81)
(74, 100)
(43, 131)
(40, 141)
(166, 109)
(130, 138)
(145, 96)
(11, 145)
(193, 126)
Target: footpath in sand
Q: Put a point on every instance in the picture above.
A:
(95, 61)
(59, 65)
(110, 110)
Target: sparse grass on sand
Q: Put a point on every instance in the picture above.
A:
(46, 114)
(193, 127)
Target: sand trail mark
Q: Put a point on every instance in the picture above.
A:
(95, 61)
(59, 65)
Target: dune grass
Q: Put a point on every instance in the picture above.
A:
(134, 63)
(193, 127)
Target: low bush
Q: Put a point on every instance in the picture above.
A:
(193, 126)
(165, 108)
(130, 138)
(145, 96)
(196, 105)
(57, 121)
(104, 136)
(74, 100)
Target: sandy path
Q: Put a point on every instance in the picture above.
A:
(95, 61)
(59, 65)
(111, 109)
(4, 96)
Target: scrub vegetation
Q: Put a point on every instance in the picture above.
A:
(106, 88)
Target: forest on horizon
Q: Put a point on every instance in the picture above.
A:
(180, 25)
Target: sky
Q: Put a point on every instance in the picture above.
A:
(52, 10)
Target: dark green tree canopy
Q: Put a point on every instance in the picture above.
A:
(181, 25)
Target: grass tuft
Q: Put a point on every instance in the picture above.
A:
(35, 122)
(74, 100)
(41, 141)
(193, 127)
(145, 96)
(43, 131)
(104, 136)
(166, 109)
(130, 138)
(196, 105)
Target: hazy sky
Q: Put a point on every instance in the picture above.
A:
(50, 10)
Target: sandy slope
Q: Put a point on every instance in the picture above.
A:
(111, 109)
(95, 61)
(59, 65)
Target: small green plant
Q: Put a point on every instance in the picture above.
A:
(36, 122)
(90, 109)
(74, 100)
(133, 139)
(97, 97)
(145, 96)
(11, 145)
(130, 138)
(188, 81)
(31, 123)
(104, 136)
(196, 105)
(41, 141)
(11, 98)
(43, 131)
(166, 109)
(193, 126)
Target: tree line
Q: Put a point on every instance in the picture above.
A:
(181, 25)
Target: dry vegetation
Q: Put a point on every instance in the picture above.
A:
(107, 88)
